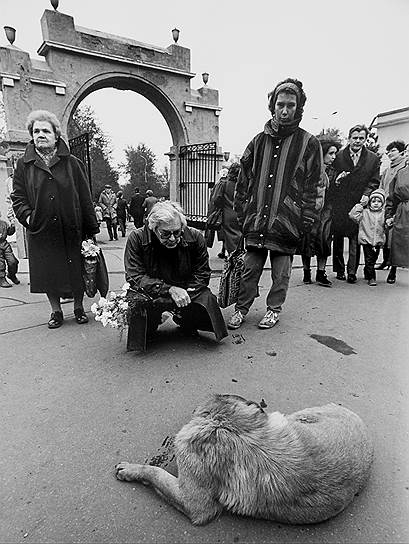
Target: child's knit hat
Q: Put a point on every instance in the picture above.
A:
(380, 193)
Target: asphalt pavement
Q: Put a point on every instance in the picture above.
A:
(74, 403)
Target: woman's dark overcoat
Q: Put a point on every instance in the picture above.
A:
(397, 206)
(58, 200)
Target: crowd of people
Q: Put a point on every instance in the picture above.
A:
(292, 193)
(115, 211)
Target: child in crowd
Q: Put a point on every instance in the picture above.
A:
(8, 261)
(98, 213)
(371, 234)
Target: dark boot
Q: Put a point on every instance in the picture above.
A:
(307, 276)
(392, 275)
(322, 279)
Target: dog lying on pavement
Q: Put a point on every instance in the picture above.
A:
(301, 468)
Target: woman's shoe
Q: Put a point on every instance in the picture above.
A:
(56, 320)
(307, 277)
(80, 316)
(392, 275)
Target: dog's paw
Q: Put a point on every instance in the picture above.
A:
(127, 472)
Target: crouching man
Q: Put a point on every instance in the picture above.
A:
(167, 267)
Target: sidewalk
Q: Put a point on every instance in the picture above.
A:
(74, 403)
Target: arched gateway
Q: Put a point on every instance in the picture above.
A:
(79, 61)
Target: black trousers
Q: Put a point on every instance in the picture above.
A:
(8, 261)
(122, 225)
(371, 254)
(338, 263)
(111, 227)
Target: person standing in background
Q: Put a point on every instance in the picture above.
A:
(397, 219)
(357, 175)
(396, 155)
(136, 210)
(107, 201)
(320, 237)
(122, 212)
(149, 202)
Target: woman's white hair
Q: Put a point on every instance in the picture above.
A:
(164, 212)
(43, 115)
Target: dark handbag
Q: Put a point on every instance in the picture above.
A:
(214, 221)
(102, 275)
(95, 275)
(230, 279)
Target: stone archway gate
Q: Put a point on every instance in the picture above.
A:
(79, 61)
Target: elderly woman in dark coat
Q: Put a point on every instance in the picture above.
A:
(167, 267)
(52, 199)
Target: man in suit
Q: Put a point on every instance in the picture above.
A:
(357, 175)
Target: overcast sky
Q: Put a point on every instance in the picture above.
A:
(352, 57)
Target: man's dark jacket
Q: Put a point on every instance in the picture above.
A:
(362, 180)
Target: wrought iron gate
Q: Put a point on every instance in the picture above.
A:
(79, 147)
(197, 175)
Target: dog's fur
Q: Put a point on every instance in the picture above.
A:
(301, 468)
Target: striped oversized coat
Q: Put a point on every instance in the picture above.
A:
(279, 186)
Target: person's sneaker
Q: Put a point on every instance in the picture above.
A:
(322, 279)
(269, 320)
(14, 279)
(307, 277)
(236, 320)
(4, 283)
(372, 282)
(351, 278)
(341, 276)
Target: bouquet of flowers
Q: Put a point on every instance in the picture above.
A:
(90, 253)
(113, 310)
(89, 249)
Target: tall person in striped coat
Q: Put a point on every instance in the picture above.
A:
(276, 199)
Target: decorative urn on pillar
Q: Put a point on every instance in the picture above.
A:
(10, 34)
(175, 34)
(205, 77)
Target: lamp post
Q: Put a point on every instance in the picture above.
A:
(146, 165)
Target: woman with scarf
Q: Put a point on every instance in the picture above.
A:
(396, 154)
(319, 241)
(52, 200)
(276, 199)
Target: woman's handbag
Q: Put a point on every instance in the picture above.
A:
(230, 279)
(94, 269)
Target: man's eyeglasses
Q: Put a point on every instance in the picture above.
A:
(165, 234)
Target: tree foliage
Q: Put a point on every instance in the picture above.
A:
(333, 133)
(139, 168)
(102, 172)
